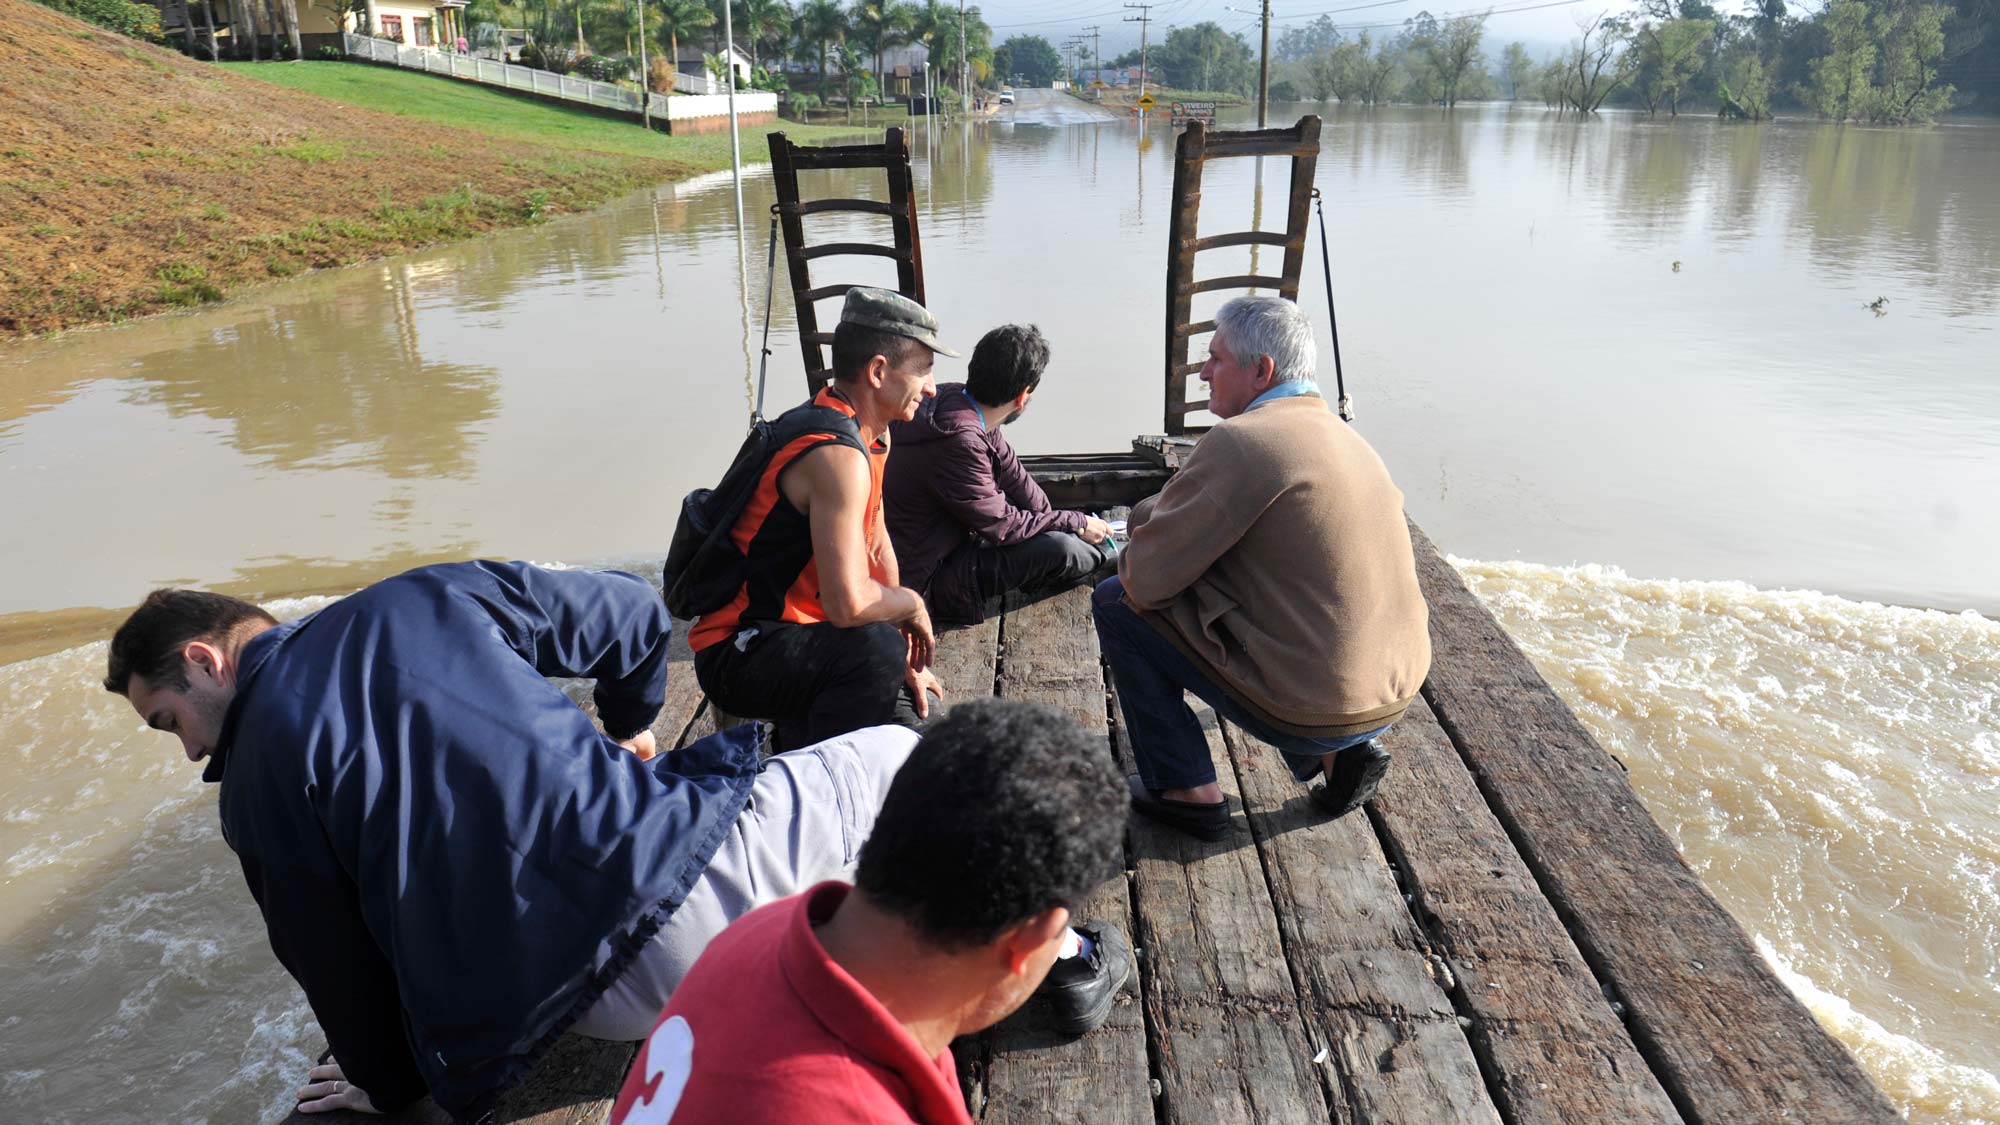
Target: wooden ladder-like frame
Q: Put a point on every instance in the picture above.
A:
(1195, 148)
(787, 161)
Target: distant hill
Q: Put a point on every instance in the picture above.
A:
(134, 179)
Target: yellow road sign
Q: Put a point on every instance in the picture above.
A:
(1145, 101)
(1100, 85)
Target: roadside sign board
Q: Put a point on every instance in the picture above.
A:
(1146, 101)
(1099, 84)
(1184, 112)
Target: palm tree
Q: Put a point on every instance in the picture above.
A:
(881, 24)
(821, 24)
(678, 18)
(760, 19)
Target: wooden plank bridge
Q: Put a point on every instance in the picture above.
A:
(1505, 936)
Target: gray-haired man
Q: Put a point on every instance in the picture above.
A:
(1273, 577)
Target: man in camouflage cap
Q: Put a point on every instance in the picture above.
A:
(823, 638)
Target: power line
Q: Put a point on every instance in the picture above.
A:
(1059, 19)
(1334, 11)
(1442, 16)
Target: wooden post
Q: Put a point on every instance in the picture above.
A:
(910, 268)
(1197, 146)
(1181, 226)
(893, 157)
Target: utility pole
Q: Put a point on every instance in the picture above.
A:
(645, 75)
(964, 65)
(1264, 69)
(1144, 17)
(1097, 62)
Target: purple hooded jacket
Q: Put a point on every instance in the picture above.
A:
(951, 482)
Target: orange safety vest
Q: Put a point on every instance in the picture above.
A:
(781, 577)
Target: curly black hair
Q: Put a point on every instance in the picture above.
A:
(1004, 810)
(1006, 361)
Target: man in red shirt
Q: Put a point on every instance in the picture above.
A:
(839, 1005)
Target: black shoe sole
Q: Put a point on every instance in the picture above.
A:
(1365, 788)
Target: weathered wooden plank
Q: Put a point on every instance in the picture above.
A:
(1049, 654)
(1233, 281)
(1361, 968)
(1068, 489)
(1727, 1040)
(1241, 238)
(1183, 226)
(823, 206)
(1222, 1012)
(1284, 141)
(965, 659)
(903, 199)
(1305, 164)
(1551, 1046)
(785, 181)
(575, 1084)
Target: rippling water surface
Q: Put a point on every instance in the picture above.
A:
(1631, 357)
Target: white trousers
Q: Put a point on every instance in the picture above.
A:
(808, 813)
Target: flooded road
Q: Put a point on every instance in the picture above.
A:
(1627, 366)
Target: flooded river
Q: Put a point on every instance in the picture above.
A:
(1625, 371)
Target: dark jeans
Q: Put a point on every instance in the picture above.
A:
(1166, 737)
(814, 681)
(1051, 561)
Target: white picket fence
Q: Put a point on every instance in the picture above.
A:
(584, 90)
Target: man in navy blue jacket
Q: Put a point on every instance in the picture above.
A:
(450, 858)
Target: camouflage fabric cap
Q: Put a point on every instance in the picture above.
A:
(888, 311)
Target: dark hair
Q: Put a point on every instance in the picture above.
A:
(1008, 360)
(149, 644)
(854, 346)
(1004, 810)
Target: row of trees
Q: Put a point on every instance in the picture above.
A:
(853, 38)
(1882, 61)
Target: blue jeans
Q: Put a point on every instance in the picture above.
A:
(1166, 737)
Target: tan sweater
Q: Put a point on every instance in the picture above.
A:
(1279, 560)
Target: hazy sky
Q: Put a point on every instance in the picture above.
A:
(1057, 20)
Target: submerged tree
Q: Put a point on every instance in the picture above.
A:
(1913, 45)
(1669, 53)
(1595, 64)
(1516, 69)
(1451, 54)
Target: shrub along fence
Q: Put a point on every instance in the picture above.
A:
(757, 104)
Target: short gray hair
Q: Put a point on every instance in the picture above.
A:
(1272, 326)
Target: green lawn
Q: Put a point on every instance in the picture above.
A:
(483, 109)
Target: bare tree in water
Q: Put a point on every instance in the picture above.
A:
(1596, 64)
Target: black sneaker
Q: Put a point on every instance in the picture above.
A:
(1079, 991)
(1203, 822)
(1357, 774)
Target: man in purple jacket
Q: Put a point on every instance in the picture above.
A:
(967, 520)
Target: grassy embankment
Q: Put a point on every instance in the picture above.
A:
(134, 179)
